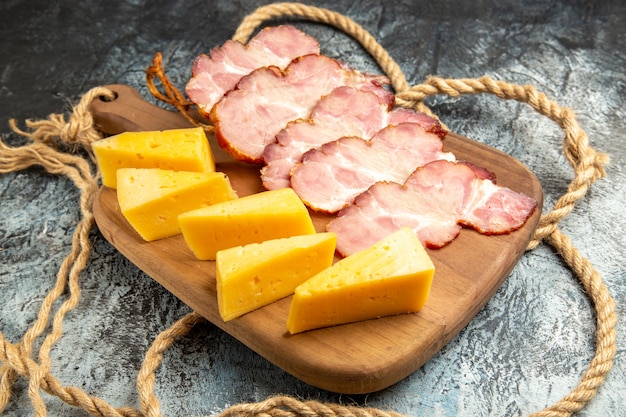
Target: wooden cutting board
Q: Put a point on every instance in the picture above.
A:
(355, 358)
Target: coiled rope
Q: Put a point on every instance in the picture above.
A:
(17, 359)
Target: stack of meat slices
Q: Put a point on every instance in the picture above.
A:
(436, 200)
(219, 72)
(333, 135)
(332, 176)
(344, 112)
(249, 117)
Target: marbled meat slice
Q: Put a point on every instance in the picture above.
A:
(436, 201)
(249, 117)
(332, 176)
(344, 112)
(214, 74)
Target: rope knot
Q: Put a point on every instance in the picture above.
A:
(72, 131)
(78, 130)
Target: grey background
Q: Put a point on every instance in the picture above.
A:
(525, 350)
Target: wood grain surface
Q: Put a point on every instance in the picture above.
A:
(354, 358)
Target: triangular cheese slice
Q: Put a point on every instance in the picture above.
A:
(392, 277)
(254, 275)
(176, 149)
(151, 199)
(250, 219)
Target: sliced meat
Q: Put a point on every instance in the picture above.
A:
(332, 176)
(344, 112)
(430, 124)
(214, 74)
(249, 117)
(436, 201)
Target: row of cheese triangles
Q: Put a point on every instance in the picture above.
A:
(392, 277)
(265, 244)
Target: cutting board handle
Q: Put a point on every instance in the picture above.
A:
(129, 112)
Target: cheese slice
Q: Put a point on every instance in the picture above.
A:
(255, 275)
(151, 198)
(393, 276)
(251, 219)
(176, 149)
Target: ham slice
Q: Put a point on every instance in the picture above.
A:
(332, 176)
(344, 112)
(214, 74)
(436, 201)
(249, 117)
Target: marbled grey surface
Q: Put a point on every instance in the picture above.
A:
(525, 350)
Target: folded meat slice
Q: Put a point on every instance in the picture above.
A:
(436, 201)
(344, 112)
(249, 117)
(214, 74)
(332, 176)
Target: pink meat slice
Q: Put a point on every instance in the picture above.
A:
(332, 176)
(436, 201)
(248, 118)
(214, 74)
(344, 112)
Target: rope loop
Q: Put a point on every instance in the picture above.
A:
(172, 95)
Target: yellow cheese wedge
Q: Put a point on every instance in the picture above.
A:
(176, 149)
(151, 198)
(251, 219)
(255, 275)
(392, 277)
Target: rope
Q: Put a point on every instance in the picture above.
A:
(171, 95)
(47, 136)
